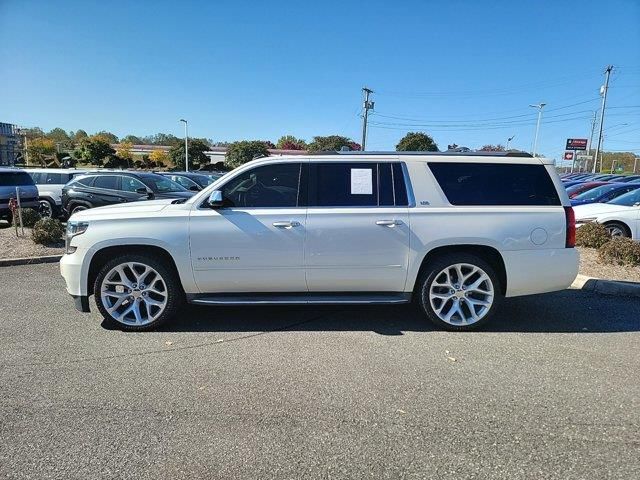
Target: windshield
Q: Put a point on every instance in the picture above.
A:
(629, 199)
(15, 179)
(595, 192)
(202, 180)
(160, 184)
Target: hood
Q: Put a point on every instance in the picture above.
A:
(593, 209)
(123, 210)
(187, 194)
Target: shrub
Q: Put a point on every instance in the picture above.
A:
(47, 230)
(29, 217)
(592, 235)
(620, 251)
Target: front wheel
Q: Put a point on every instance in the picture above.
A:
(459, 292)
(616, 229)
(137, 292)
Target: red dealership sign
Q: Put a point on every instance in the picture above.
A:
(576, 144)
(568, 155)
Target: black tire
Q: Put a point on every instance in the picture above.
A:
(617, 227)
(433, 271)
(77, 207)
(46, 209)
(175, 294)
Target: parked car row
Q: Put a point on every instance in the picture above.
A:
(57, 192)
(612, 200)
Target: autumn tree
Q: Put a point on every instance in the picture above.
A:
(160, 158)
(124, 151)
(244, 151)
(40, 149)
(416, 142)
(492, 148)
(289, 142)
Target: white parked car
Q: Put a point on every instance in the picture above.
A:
(49, 182)
(621, 216)
(454, 232)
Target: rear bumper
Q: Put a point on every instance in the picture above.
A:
(540, 271)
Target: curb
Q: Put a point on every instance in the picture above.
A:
(606, 287)
(10, 262)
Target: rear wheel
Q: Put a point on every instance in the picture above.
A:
(137, 292)
(459, 291)
(46, 209)
(75, 208)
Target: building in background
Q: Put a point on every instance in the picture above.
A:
(10, 145)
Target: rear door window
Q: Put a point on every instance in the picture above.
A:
(109, 182)
(495, 184)
(357, 184)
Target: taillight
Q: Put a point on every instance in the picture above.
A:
(570, 217)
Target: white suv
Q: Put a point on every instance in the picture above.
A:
(454, 232)
(49, 182)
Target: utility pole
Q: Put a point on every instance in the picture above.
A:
(186, 145)
(539, 106)
(603, 91)
(590, 146)
(365, 117)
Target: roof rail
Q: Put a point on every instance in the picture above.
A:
(450, 153)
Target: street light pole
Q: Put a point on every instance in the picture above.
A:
(509, 141)
(186, 145)
(539, 106)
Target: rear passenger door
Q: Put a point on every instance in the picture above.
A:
(357, 227)
(106, 191)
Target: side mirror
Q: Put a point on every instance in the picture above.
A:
(194, 188)
(146, 191)
(215, 199)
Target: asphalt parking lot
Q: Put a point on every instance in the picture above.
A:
(550, 390)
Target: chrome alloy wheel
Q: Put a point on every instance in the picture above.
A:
(134, 293)
(615, 230)
(461, 294)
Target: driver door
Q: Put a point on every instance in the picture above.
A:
(254, 242)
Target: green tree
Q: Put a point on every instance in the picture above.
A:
(332, 143)
(80, 135)
(162, 139)
(58, 135)
(245, 151)
(94, 150)
(110, 137)
(416, 142)
(132, 139)
(197, 157)
(40, 150)
(31, 133)
(289, 142)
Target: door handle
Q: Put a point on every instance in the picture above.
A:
(286, 224)
(389, 223)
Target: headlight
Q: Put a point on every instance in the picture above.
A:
(73, 229)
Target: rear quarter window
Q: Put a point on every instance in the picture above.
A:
(15, 179)
(495, 184)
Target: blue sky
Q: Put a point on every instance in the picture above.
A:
(463, 71)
